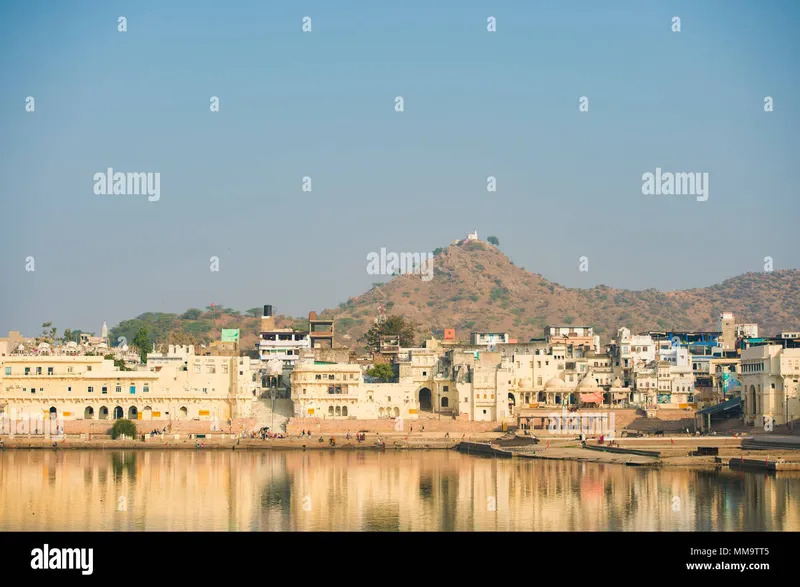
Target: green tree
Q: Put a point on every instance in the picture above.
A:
(192, 314)
(123, 426)
(48, 332)
(142, 342)
(398, 325)
(118, 363)
(382, 371)
(254, 312)
(68, 335)
(493, 240)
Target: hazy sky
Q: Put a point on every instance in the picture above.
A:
(322, 104)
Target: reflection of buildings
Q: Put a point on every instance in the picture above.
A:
(389, 491)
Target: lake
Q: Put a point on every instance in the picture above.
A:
(186, 490)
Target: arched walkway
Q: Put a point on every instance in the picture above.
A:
(147, 413)
(183, 413)
(133, 413)
(344, 410)
(118, 412)
(425, 404)
(53, 413)
(104, 413)
(397, 412)
(88, 413)
(512, 402)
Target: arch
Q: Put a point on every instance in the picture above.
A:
(512, 402)
(104, 413)
(751, 400)
(183, 413)
(540, 397)
(53, 413)
(344, 410)
(445, 402)
(425, 404)
(397, 412)
(147, 413)
(380, 412)
(571, 398)
(330, 410)
(133, 413)
(338, 410)
(118, 412)
(88, 413)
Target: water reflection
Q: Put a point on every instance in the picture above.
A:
(370, 491)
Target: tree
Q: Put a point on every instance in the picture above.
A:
(68, 335)
(142, 342)
(48, 332)
(404, 328)
(254, 312)
(123, 426)
(192, 314)
(118, 363)
(382, 371)
(493, 240)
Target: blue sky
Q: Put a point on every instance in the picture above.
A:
(321, 104)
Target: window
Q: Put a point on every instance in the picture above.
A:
(38, 370)
(205, 390)
(330, 377)
(446, 388)
(424, 373)
(211, 369)
(224, 369)
(8, 370)
(89, 368)
(133, 389)
(389, 398)
(69, 390)
(69, 369)
(49, 370)
(197, 368)
(119, 389)
(91, 389)
(27, 370)
(318, 377)
(146, 388)
(104, 391)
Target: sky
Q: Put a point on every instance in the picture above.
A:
(322, 104)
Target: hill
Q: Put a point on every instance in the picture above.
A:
(476, 287)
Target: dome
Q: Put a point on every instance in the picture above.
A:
(618, 383)
(589, 384)
(555, 383)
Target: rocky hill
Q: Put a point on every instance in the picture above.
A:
(476, 287)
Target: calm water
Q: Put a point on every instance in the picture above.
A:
(353, 491)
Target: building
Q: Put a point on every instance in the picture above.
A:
(770, 378)
(320, 331)
(488, 338)
(282, 344)
(176, 385)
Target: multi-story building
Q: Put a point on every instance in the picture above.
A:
(282, 344)
(177, 385)
(770, 377)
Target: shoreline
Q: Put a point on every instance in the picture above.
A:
(649, 453)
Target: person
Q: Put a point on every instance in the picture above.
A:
(303, 433)
(320, 439)
(423, 429)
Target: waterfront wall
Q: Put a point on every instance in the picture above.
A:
(454, 427)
